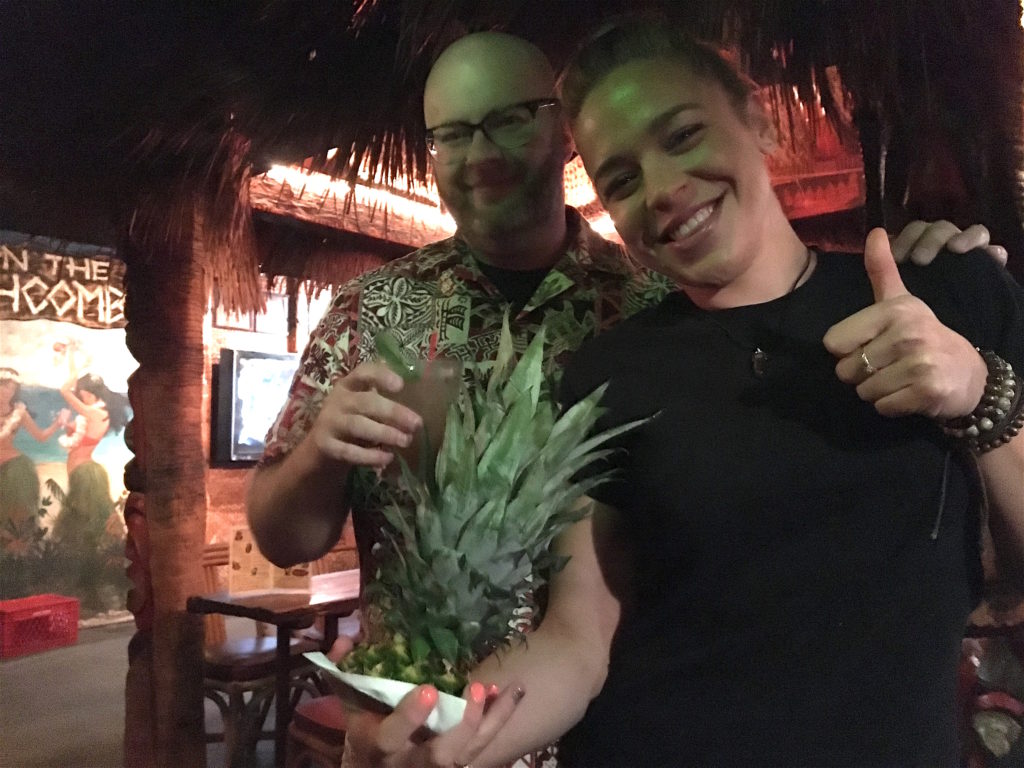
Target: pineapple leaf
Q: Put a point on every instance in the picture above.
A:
(528, 376)
(502, 362)
(445, 642)
(497, 465)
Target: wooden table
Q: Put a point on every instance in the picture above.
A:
(333, 595)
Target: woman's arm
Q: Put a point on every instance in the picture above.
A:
(42, 435)
(96, 414)
(68, 391)
(905, 361)
(1002, 472)
(555, 673)
(563, 664)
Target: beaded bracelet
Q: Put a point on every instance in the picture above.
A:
(999, 417)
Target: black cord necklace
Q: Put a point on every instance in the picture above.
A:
(759, 358)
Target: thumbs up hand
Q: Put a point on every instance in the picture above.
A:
(897, 353)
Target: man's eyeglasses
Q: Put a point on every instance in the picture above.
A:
(509, 128)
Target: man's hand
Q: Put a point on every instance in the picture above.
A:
(296, 507)
(358, 424)
(898, 354)
(921, 241)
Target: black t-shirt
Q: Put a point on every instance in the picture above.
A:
(517, 286)
(789, 605)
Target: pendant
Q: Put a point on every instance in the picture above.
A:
(759, 362)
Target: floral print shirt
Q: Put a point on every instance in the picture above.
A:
(439, 290)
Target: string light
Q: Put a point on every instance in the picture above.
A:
(322, 186)
(420, 203)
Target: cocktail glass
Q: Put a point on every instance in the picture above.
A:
(429, 394)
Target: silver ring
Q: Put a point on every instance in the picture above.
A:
(869, 369)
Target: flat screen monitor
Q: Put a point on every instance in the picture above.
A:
(251, 389)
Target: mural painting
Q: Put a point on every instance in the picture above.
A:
(63, 412)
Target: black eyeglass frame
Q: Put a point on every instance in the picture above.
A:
(533, 105)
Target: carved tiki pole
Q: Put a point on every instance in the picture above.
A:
(166, 301)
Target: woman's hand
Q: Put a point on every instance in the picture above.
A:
(400, 739)
(897, 353)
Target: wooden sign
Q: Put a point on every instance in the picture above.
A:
(36, 285)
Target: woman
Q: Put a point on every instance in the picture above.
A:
(19, 481)
(783, 569)
(84, 514)
(818, 595)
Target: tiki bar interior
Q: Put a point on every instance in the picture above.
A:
(183, 187)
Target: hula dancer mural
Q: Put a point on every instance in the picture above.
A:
(63, 365)
(19, 480)
(87, 505)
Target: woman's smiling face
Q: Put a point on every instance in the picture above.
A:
(680, 168)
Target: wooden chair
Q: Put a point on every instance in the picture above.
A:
(316, 734)
(238, 674)
(328, 564)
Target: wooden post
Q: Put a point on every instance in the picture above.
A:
(292, 288)
(165, 304)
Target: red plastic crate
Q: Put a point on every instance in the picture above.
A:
(37, 623)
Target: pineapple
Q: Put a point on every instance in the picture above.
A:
(470, 543)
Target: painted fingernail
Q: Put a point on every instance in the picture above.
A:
(517, 694)
(492, 690)
(476, 692)
(428, 696)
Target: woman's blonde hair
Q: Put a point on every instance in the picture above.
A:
(639, 38)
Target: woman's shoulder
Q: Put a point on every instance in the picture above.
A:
(627, 332)
(975, 296)
(620, 347)
(971, 281)
(947, 276)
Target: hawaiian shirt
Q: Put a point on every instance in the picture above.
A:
(438, 295)
(436, 298)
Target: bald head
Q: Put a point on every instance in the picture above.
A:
(508, 202)
(481, 72)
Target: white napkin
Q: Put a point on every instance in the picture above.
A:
(446, 714)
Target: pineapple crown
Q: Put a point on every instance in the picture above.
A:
(470, 543)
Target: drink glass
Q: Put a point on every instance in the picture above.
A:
(429, 395)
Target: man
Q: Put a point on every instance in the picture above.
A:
(518, 250)
(498, 144)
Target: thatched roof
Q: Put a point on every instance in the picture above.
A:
(104, 101)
